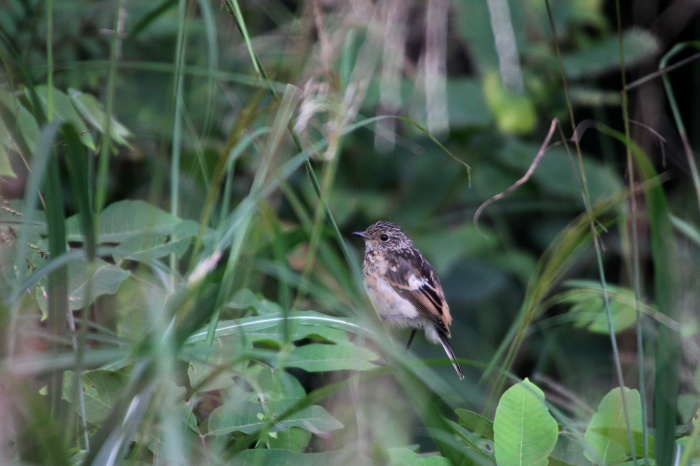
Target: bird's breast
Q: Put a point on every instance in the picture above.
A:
(388, 302)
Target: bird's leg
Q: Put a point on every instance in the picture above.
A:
(410, 339)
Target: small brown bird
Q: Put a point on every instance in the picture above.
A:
(404, 287)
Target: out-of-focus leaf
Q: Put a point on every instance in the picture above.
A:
(466, 104)
(89, 107)
(294, 439)
(569, 451)
(338, 357)
(404, 456)
(64, 110)
(5, 164)
(6, 141)
(106, 279)
(101, 389)
(148, 247)
(554, 176)
(569, 15)
(473, 24)
(446, 246)
(248, 417)
(246, 299)
(25, 121)
(588, 307)
(514, 112)
(596, 59)
(127, 219)
(524, 431)
(278, 385)
(256, 457)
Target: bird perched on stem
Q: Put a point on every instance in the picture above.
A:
(404, 287)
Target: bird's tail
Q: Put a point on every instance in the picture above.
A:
(450, 354)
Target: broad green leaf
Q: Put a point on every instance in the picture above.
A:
(249, 417)
(126, 219)
(524, 431)
(606, 434)
(101, 390)
(89, 107)
(406, 457)
(105, 279)
(63, 109)
(475, 423)
(278, 385)
(320, 358)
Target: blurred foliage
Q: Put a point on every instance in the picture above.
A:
(179, 179)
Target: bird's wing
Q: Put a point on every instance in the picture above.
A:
(414, 279)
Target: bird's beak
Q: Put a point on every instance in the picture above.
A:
(360, 233)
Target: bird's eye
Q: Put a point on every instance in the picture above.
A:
(384, 238)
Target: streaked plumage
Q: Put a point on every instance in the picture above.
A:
(404, 287)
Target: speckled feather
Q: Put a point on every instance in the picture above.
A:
(404, 286)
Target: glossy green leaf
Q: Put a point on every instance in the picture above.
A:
(338, 357)
(524, 431)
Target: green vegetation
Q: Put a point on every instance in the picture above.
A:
(179, 179)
